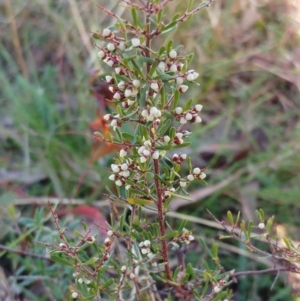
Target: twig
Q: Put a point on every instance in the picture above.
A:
(24, 253)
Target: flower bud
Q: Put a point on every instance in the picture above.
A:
(106, 32)
(135, 42)
(173, 54)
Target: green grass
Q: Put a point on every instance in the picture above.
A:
(244, 55)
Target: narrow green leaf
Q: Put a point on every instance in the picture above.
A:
(230, 218)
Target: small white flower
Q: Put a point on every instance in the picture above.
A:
(101, 54)
(110, 63)
(202, 176)
(178, 110)
(198, 107)
(131, 276)
(146, 153)
(167, 139)
(141, 149)
(198, 119)
(147, 243)
(162, 66)
(153, 111)
(141, 244)
(80, 280)
(106, 32)
(114, 123)
(119, 183)
(173, 68)
(154, 86)
(154, 264)
(188, 116)
(135, 42)
(195, 75)
(127, 187)
(108, 78)
(145, 113)
(111, 46)
(183, 156)
(123, 153)
(182, 183)
(121, 85)
(112, 177)
(128, 93)
(190, 77)
(107, 117)
(115, 168)
(150, 118)
(179, 135)
(196, 171)
(110, 233)
(111, 89)
(117, 96)
(145, 251)
(150, 255)
(107, 240)
(136, 83)
(157, 114)
(147, 143)
(183, 120)
(179, 80)
(191, 237)
(261, 226)
(122, 46)
(190, 178)
(124, 166)
(123, 268)
(74, 295)
(143, 159)
(125, 173)
(173, 54)
(155, 155)
(217, 289)
(183, 88)
(62, 245)
(118, 70)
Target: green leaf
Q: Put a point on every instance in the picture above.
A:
(162, 50)
(139, 202)
(249, 230)
(176, 99)
(170, 27)
(182, 225)
(61, 258)
(107, 283)
(169, 46)
(159, 16)
(237, 218)
(163, 127)
(182, 145)
(135, 19)
(171, 234)
(188, 105)
(230, 218)
(190, 271)
(270, 223)
(137, 69)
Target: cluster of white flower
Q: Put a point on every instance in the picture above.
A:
(145, 247)
(167, 193)
(151, 114)
(190, 115)
(121, 172)
(124, 270)
(179, 158)
(145, 151)
(197, 173)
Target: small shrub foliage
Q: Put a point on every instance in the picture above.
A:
(149, 79)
